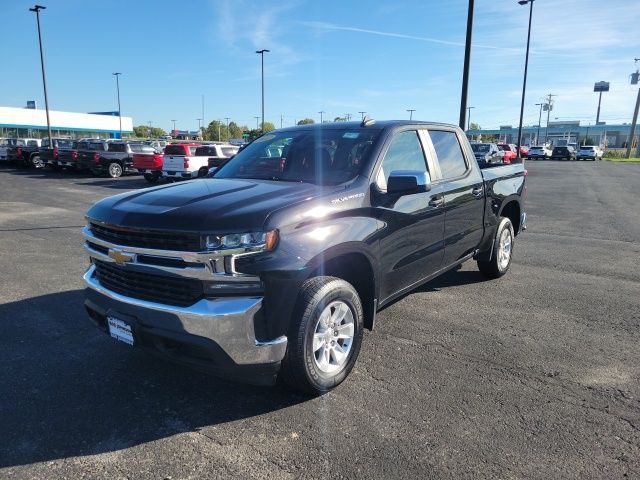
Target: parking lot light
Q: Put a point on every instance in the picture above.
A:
(36, 9)
(117, 74)
(526, 65)
(261, 53)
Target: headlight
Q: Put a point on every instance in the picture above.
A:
(251, 242)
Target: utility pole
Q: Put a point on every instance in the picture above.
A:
(469, 117)
(117, 74)
(257, 118)
(465, 71)
(227, 119)
(362, 113)
(37, 9)
(411, 110)
(321, 112)
(549, 107)
(281, 118)
(634, 81)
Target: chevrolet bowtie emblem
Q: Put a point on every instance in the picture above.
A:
(120, 256)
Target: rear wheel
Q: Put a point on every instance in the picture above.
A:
(325, 336)
(36, 162)
(203, 172)
(502, 251)
(150, 178)
(114, 170)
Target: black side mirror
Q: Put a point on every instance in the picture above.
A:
(406, 182)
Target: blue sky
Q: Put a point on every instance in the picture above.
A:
(338, 56)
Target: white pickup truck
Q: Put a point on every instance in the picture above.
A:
(192, 161)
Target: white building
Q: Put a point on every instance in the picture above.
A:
(32, 123)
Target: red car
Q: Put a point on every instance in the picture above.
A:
(509, 152)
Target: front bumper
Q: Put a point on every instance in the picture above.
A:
(214, 335)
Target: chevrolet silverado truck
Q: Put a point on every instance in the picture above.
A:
(118, 158)
(26, 152)
(195, 161)
(50, 156)
(271, 267)
(149, 164)
(89, 152)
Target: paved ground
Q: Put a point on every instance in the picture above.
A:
(536, 375)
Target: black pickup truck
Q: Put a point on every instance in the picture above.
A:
(51, 156)
(274, 265)
(25, 153)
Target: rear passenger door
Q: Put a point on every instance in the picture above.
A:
(463, 191)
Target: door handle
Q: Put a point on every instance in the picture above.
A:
(477, 191)
(436, 202)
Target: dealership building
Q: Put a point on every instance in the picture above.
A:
(32, 123)
(562, 133)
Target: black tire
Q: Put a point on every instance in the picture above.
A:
(150, 178)
(203, 172)
(36, 162)
(115, 170)
(496, 267)
(300, 369)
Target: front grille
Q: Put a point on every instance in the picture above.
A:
(185, 242)
(178, 291)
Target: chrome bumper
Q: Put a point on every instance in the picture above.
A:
(226, 321)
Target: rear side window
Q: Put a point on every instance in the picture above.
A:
(205, 151)
(96, 146)
(404, 153)
(449, 153)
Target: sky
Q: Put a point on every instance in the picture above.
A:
(340, 57)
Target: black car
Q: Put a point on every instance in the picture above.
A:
(563, 153)
(487, 154)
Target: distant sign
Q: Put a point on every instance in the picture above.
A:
(601, 87)
(505, 127)
(31, 104)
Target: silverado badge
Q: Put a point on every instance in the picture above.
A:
(120, 256)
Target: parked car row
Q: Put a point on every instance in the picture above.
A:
(568, 152)
(153, 158)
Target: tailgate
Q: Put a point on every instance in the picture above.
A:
(173, 163)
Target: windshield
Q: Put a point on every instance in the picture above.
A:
(319, 156)
(504, 148)
(480, 147)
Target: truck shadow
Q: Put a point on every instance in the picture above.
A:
(69, 390)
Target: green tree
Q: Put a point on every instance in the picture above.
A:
(268, 126)
(157, 132)
(236, 131)
(216, 131)
(306, 121)
(340, 119)
(474, 126)
(141, 131)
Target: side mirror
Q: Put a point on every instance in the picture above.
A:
(406, 182)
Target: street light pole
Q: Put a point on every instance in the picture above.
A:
(262, 52)
(539, 120)
(411, 110)
(117, 74)
(321, 112)
(526, 65)
(174, 125)
(549, 107)
(37, 9)
(362, 113)
(465, 71)
(257, 118)
(469, 117)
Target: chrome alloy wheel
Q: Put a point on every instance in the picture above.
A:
(115, 170)
(333, 337)
(504, 249)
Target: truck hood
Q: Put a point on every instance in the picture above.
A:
(204, 205)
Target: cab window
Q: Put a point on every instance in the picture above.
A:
(405, 153)
(450, 156)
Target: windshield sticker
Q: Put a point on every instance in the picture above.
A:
(264, 138)
(352, 135)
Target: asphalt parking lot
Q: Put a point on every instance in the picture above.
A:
(535, 375)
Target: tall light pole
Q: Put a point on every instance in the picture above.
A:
(549, 107)
(411, 110)
(281, 119)
(37, 9)
(174, 125)
(465, 71)
(257, 118)
(600, 87)
(469, 117)
(635, 77)
(539, 120)
(227, 119)
(321, 112)
(199, 126)
(362, 113)
(262, 52)
(117, 74)
(526, 65)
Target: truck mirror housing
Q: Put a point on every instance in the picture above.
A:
(406, 182)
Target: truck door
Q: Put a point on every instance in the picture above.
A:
(462, 187)
(411, 246)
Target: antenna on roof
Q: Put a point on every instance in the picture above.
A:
(367, 121)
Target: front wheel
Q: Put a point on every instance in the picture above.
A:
(114, 170)
(325, 336)
(36, 162)
(502, 251)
